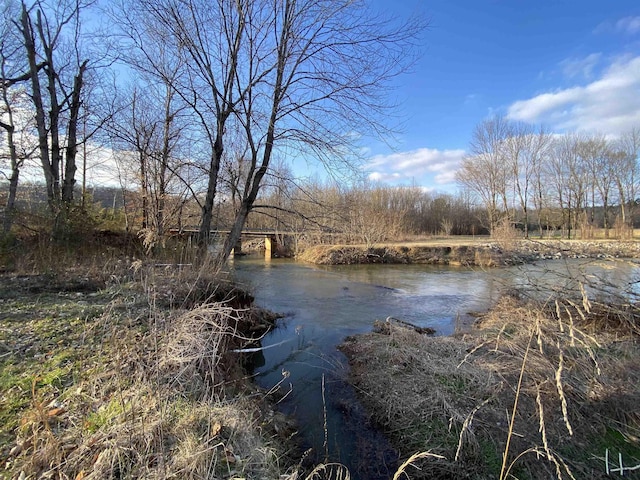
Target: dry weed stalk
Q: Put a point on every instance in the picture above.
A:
(329, 471)
(505, 453)
(548, 360)
(568, 357)
(557, 461)
(466, 427)
(411, 461)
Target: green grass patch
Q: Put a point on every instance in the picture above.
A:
(453, 383)
(45, 346)
(105, 415)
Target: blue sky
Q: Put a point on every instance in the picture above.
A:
(567, 65)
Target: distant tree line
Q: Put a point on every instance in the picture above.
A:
(364, 213)
(329, 212)
(572, 183)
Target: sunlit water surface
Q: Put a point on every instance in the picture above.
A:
(323, 305)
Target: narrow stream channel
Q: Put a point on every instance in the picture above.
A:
(322, 306)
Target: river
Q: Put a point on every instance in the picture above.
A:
(323, 305)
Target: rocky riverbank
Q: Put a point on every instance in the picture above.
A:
(483, 254)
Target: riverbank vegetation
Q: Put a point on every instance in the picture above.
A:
(119, 368)
(538, 389)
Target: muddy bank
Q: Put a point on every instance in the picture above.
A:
(572, 371)
(352, 255)
(487, 254)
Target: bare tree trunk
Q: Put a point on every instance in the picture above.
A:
(207, 206)
(55, 158)
(10, 208)
(144, 187)
(605, 213)
(235, 233)
(9, 211)
(49, 34)
(164, 163)
(72, 137)
(36, 96)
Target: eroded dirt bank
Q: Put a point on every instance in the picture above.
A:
(476, 253)
(569, 372)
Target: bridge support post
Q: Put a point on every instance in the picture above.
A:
(237, 249)
(269, 243)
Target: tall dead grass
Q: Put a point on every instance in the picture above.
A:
(539, 390)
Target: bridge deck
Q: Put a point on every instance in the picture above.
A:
(255, 233)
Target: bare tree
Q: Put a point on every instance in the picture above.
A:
(485, 171)
(569, 176)
(313, 71)
(154, 122)
(540, 151)
(295, 76)
(152, 130)
(525, 151)
(14, 110)
(53, 39)
(595, 151)
(627, 172)
(209, 36)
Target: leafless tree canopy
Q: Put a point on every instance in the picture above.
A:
(576, 182)
(266, 80)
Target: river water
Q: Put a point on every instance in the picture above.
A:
(323, 305)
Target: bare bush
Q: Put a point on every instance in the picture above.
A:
(506, 235)
(198, 343)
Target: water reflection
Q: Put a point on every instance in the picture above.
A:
(323, 305)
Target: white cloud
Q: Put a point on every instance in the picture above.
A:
(422, 166)
(471, 99)
(629, 25)
(580, 67)
(626, 25)
(609, 104)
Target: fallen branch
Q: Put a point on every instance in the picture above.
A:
(385, 327)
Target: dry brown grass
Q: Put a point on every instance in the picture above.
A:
(550, 387)
(157, 393)
(458, 254)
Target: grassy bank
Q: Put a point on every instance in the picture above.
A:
(117, 368)
(132, 374)
(536, 391)
(442, 255)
